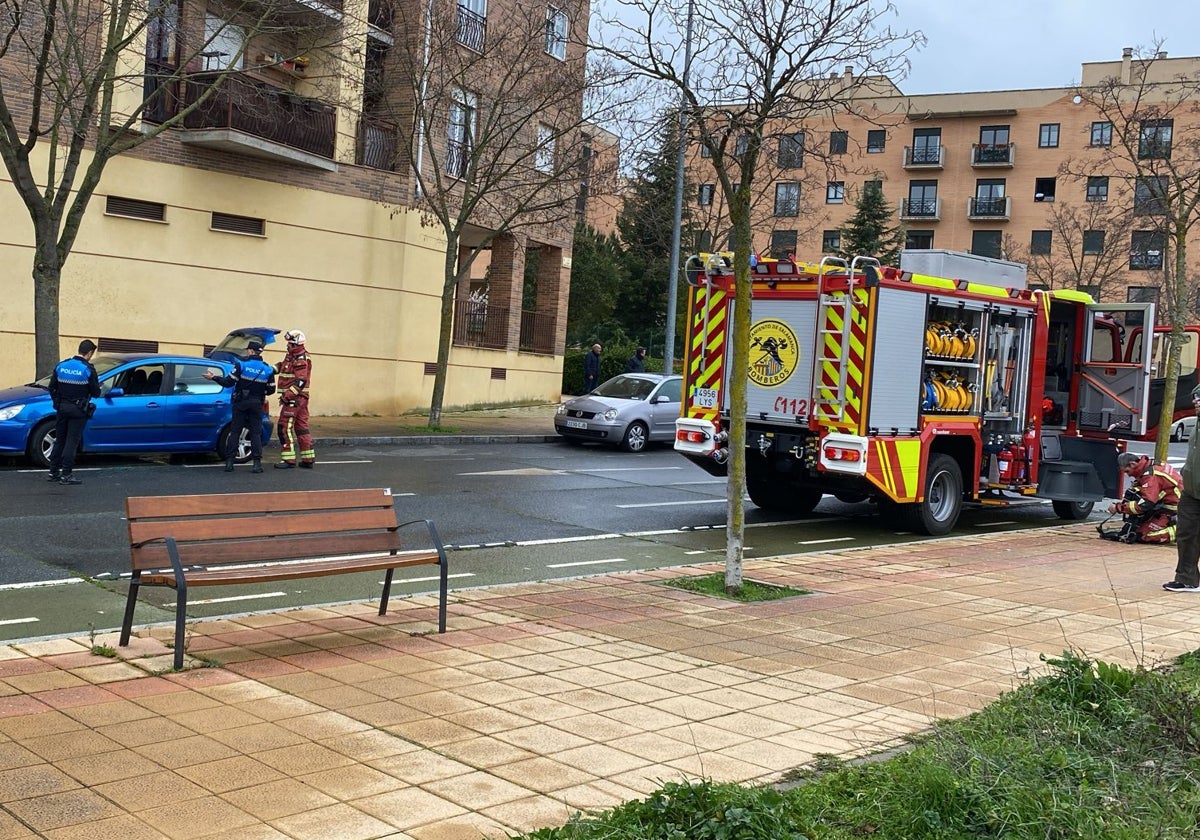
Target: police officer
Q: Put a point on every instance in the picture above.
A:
(253, 380)
(72, 386)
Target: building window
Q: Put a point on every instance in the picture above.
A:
(986, 243)
(835, 192)
(556, 32)
(787, 198)
(791, 151)
(706, 194)
(543, 159)
(918, 240)
(991, 136)
(1146, 250)
(741, 145)
(1043, 189)
(470, 28)
(224, 44)
(831, 241)
(876, 141)
(1093, 242)
(783, 244)
(927, 146)
(839, 142)
(1150, 196)
(1039, 242)
(1102, 133)
(705, 152)
(1097, 188)
(922, 199)
(460, 133)
(989, 198)
(1155, 139)
(1048, 136)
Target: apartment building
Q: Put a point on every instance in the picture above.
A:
(286, 197)
(1020, 174)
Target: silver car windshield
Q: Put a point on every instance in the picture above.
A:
(626, 388)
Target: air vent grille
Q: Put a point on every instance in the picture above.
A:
(499, 373)
(239, 224)
(125, 345)
(431, 368)
(135, 208)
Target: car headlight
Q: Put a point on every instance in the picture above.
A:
(610, 415)
(562, 409)
(11, 412)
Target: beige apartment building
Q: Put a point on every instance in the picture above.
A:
(286, 200)
(1019, 174)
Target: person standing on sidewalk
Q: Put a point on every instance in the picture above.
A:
(1187, 526)
(73, 384)
(591, 370)
(295, 373)
(253, 381)
(637, 362)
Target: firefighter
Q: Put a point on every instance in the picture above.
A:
(294, 377)
(253, 381)
(1150, 504)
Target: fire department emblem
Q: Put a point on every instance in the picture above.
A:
(774, 353)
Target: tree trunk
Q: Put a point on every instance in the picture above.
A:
(47, 279)
(1178, 289)
(445, 331)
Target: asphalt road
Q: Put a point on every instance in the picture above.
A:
(509, 514)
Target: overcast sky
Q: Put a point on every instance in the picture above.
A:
(1005, 44)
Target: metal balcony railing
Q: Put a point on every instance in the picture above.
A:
(929, 157)
(376, 143)
(537, 333)
(992, 154)
(458, 155)
(989, 208)
(470, 29)
(479, 324)
(921, 208)
(263, 111)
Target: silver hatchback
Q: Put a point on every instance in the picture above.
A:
(630, 410)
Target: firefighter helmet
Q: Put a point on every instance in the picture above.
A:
(294, 337)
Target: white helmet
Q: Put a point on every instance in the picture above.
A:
(294, 337)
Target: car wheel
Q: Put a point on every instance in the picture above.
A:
(1073, 511)
(41, 443)
(635, 437)
(243, 445)
(939, 512)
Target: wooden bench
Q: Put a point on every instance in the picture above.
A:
(236, 538)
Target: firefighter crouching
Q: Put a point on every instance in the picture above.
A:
(1150, 504)
(294, 376)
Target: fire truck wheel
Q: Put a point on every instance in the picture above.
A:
(1074, 511)
(635, 437)
(943, 499)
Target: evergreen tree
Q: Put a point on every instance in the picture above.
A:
(869, 232)
(596, 271)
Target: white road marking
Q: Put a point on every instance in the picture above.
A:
(994, 524)
(685, 483)
(34, 583)
(529, 471)
(427, 579)
(258, 597)
(586, 563)
(675, 504)
(319, 463)
(29, 620)
(821, 542)
(75, 469)
(624, 469)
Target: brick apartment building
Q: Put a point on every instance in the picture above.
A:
(1020, 174)
(288, 199)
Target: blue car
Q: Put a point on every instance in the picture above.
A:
(150, 402)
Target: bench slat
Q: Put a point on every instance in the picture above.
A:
(144, 507)
(271, 525)
(264, 574)
(154, 555)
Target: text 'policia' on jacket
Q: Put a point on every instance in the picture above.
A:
(916, 391)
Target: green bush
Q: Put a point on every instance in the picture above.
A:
(612, 361)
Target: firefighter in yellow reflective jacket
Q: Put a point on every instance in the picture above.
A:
(294, 374)
(1151, 503)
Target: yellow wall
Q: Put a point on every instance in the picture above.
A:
(362, 279)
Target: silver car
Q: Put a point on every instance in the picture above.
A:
(631, 410)
(1183, 428)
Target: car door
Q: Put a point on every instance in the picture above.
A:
(664, 409)
(196, 408)
(129, 412)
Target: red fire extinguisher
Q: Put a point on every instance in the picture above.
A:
(1030, 441)
(1004, 459)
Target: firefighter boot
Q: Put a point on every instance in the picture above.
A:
(257, 468)
(285, 465)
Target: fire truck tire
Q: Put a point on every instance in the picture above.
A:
(939, 512)
(1073, 511)
(636, 436)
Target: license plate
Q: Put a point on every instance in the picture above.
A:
(576, 424)
(704, 398)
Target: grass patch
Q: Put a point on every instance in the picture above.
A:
(1093, 750)
(750, 591)
(104, 650)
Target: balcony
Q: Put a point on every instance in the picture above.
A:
(989, 209)
(993, 154)
(458, 158)
(376, 146)
(924, 209)
(470, 29)
(256, 119)
(537, 333)
(924, 157)
(480, 324)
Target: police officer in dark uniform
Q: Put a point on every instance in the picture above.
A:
(73, 384)
(253, 380)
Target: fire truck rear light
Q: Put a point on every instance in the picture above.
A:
(690, 436)
(833, 453)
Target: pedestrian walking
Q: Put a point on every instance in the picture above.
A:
(294, 375)
(1187, 525)
(253, 380)
(591, 370)
(637, 362)
(73, 385)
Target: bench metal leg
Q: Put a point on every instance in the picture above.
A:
(180, 621)
(130, 601)
(443, 590)
(387, 591)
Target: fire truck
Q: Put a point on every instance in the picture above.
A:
(917, 390)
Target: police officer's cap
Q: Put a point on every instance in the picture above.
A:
(254, 344)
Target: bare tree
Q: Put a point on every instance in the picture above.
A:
(1152, 143)
(760, 72)
(83, 82)
(492, 117)
(1082, 247)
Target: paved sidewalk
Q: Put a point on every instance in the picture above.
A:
(545, 698)
(519, 424)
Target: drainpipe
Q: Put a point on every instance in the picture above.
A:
(419, 110)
